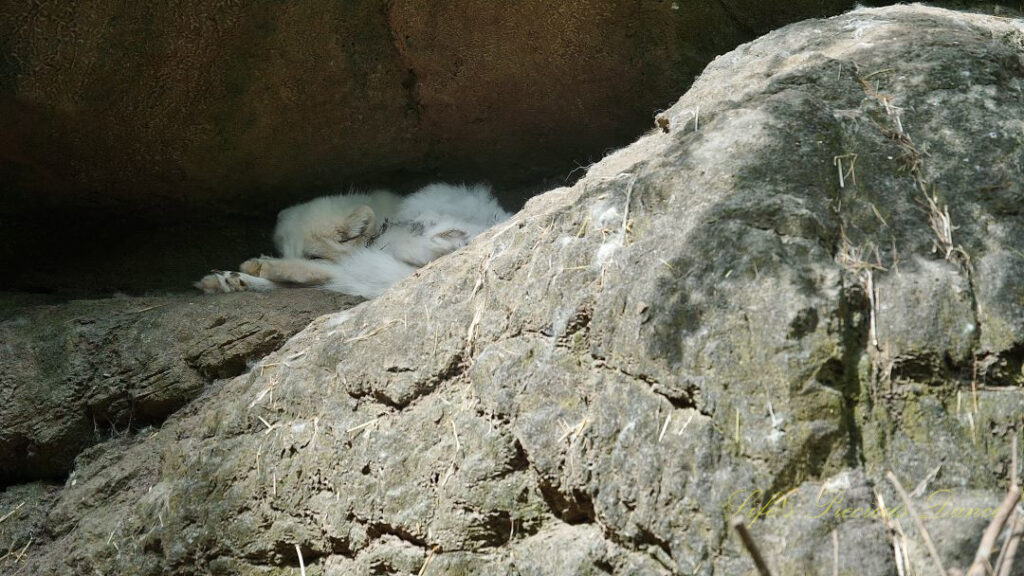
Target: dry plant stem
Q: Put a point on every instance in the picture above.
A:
(835, 553)
(363, 425)
(751, 546)
(629, 200)
(903, 567)
(1013, 461)
(869, 286)
(1005, 565)
(988, 540)
(898, 552)
(11, 513)
(894, 535)
(1001, 558)
(23, 550)
(917, 521)
(423, 569)
(302, 563)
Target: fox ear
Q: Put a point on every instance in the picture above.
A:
(359, 222)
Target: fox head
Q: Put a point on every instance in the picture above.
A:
(328, 235)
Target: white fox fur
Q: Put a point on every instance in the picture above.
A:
(315, 229)
(362, 244)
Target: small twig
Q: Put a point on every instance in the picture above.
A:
(23, 550)
(267, 424)
(371, 334)
(665, 427)
(363, 425)
(837, 161)
(751, 546)
(974, 385)
(264, 366)
(583, 228)
(11, 513)
(471, 332)
(154, 307)
(917, 520)
(877, 213)
(869, 287)
(316, 430)
(629, 200)
(261, 395)
(738, 438)
(1005, 565)
(455, 433)
(302, 563)
(922, 486)
(574, 432)
(1013, 461)
(894, 534)
(882, 71)
(835, 553)
(423, 569)
(980, 566)
(680, 431)
(1001, 558)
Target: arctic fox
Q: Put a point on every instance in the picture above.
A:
(362, 244)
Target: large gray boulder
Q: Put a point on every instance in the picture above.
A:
(712, 322)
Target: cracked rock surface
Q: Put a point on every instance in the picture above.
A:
(72, 374)
(712, 322)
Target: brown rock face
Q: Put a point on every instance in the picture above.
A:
(232, 105)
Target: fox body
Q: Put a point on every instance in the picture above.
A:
(362, 244)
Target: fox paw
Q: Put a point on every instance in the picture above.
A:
(221, 282)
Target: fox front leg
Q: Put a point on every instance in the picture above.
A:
(287, 270)
(219, 282)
